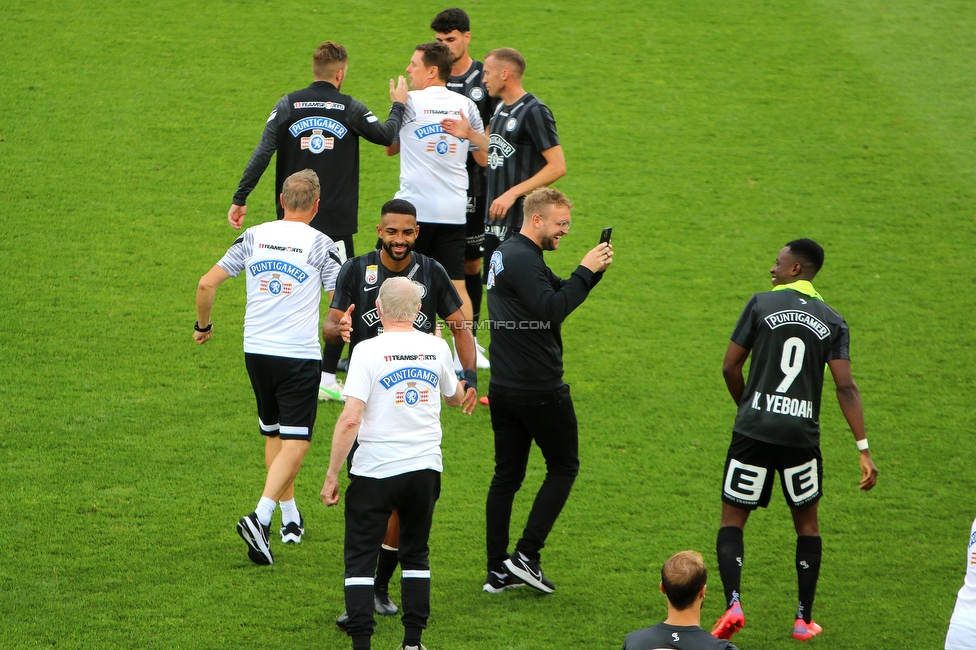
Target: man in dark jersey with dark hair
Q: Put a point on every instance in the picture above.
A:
(353, 318)
(318, 128)
(453, 28)
(683, 579)
(523, 147)
(792, 334)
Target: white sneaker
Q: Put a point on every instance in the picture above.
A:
(331, 392)
(482, 362)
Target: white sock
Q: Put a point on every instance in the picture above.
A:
(289, 513)
(328, 378)
(265, 509)
(457, 361)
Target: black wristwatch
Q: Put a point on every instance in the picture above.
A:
(196, 327)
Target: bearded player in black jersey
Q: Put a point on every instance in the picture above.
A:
(353, 317)
(452, 27)
(792, 334)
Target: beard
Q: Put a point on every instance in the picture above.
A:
(549, 243)
(389, 251)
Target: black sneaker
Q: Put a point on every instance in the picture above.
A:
(383, 605)
(343, 365)
(342, 620)
(292, 533)
(412, 647)
(495, 583)
(530, 573)
(256, 537)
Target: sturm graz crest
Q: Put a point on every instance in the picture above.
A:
(411, 396)
(274, 285)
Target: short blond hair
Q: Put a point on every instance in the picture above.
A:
(299, 191)
(542, 199)
(510, 59)
(399, 299)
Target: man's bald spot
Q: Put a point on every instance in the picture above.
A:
(683, 576)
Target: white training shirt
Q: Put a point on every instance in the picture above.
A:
(433, 172)
(401, 377)
(962, 625)
(288, 265)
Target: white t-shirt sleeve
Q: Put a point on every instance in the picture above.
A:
(474, 118)
(236, 256)
(360, 377)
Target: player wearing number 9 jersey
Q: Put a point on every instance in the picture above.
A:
(792, 335)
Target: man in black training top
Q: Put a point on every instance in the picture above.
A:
(353, 318)
(318, 128)
(523, 148)
(529, 400)
(453, 28)
(793, 334)
(683, 579)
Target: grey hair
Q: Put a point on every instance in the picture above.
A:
(399, 299)
(299, 191)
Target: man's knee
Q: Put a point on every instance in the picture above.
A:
(295, 448)
(563, 467)
(506, 482)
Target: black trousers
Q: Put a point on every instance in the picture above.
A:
(369, 502)
(332, 352)
(518, 417)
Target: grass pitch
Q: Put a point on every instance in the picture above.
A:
(707, 134)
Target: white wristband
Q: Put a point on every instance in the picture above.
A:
(862, 444)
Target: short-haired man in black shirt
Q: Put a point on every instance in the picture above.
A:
(683, 579)
(353, 317)
(792, 334)
(523, 147)
(529, 400)
(318, 128)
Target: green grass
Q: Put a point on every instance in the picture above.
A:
(707, 134)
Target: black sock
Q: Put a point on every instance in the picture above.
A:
(472, 282)
(809, 550)
(385, 566)
(411, 636)
(729, 548)
(361, 642)
(331, 353)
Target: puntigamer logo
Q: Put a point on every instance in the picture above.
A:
(324, 123)
(405, 374)
(277, 266)
(797, 317)
(430, 129)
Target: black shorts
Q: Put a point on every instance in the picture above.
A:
(445, 243)
(474, 240)
(287, 393)
(751, 465)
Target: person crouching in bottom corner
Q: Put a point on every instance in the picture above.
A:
(683, 579)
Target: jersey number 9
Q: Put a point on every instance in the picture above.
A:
(791, 363)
